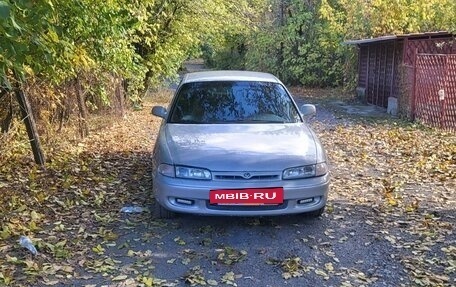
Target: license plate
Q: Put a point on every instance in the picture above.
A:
(248, 196)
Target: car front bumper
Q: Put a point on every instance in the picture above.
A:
(192, 196)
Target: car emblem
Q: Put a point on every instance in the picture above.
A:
(247, 175)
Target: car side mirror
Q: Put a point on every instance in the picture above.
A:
(308, 110)
(159, 111)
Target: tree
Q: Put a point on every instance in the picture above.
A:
(302, 41)
(23, 39)
(78, 48)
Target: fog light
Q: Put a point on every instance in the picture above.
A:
(306, 200)
(184, 201)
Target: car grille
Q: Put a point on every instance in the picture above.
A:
(255, 177)
(246, 207)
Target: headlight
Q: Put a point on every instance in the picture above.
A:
(305, 171)
(193, 173)
(184, 172)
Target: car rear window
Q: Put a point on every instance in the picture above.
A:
(233, 102)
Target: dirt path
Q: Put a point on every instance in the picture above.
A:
(376, 231)
(390, 219)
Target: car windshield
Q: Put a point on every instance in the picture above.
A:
(233, 102)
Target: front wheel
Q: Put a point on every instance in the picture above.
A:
(161, 212)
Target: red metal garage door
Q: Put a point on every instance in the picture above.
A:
(435, 90)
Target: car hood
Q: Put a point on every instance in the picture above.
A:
(241, 147)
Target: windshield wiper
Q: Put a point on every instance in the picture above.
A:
(187, 122)
(246, 121)
(260, 121)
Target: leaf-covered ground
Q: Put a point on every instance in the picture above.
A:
(390, 219)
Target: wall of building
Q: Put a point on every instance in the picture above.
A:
(386, 68)
(378, 71)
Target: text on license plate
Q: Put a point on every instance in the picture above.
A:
(273, 195)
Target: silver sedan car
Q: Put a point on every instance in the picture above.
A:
(235, 143)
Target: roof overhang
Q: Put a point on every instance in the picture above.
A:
(398, 37)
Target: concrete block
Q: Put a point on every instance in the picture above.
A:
(392, 106)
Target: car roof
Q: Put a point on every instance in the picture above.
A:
(208, 76)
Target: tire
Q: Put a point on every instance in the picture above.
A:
(162, 213)
(316, 213)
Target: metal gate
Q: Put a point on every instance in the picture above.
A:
(435, 90)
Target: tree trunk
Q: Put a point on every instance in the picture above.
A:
(120, 96)
(63, 113)
(2, 93)
(83, 127)
(30, 125)
(280, 56)
(6, 122)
